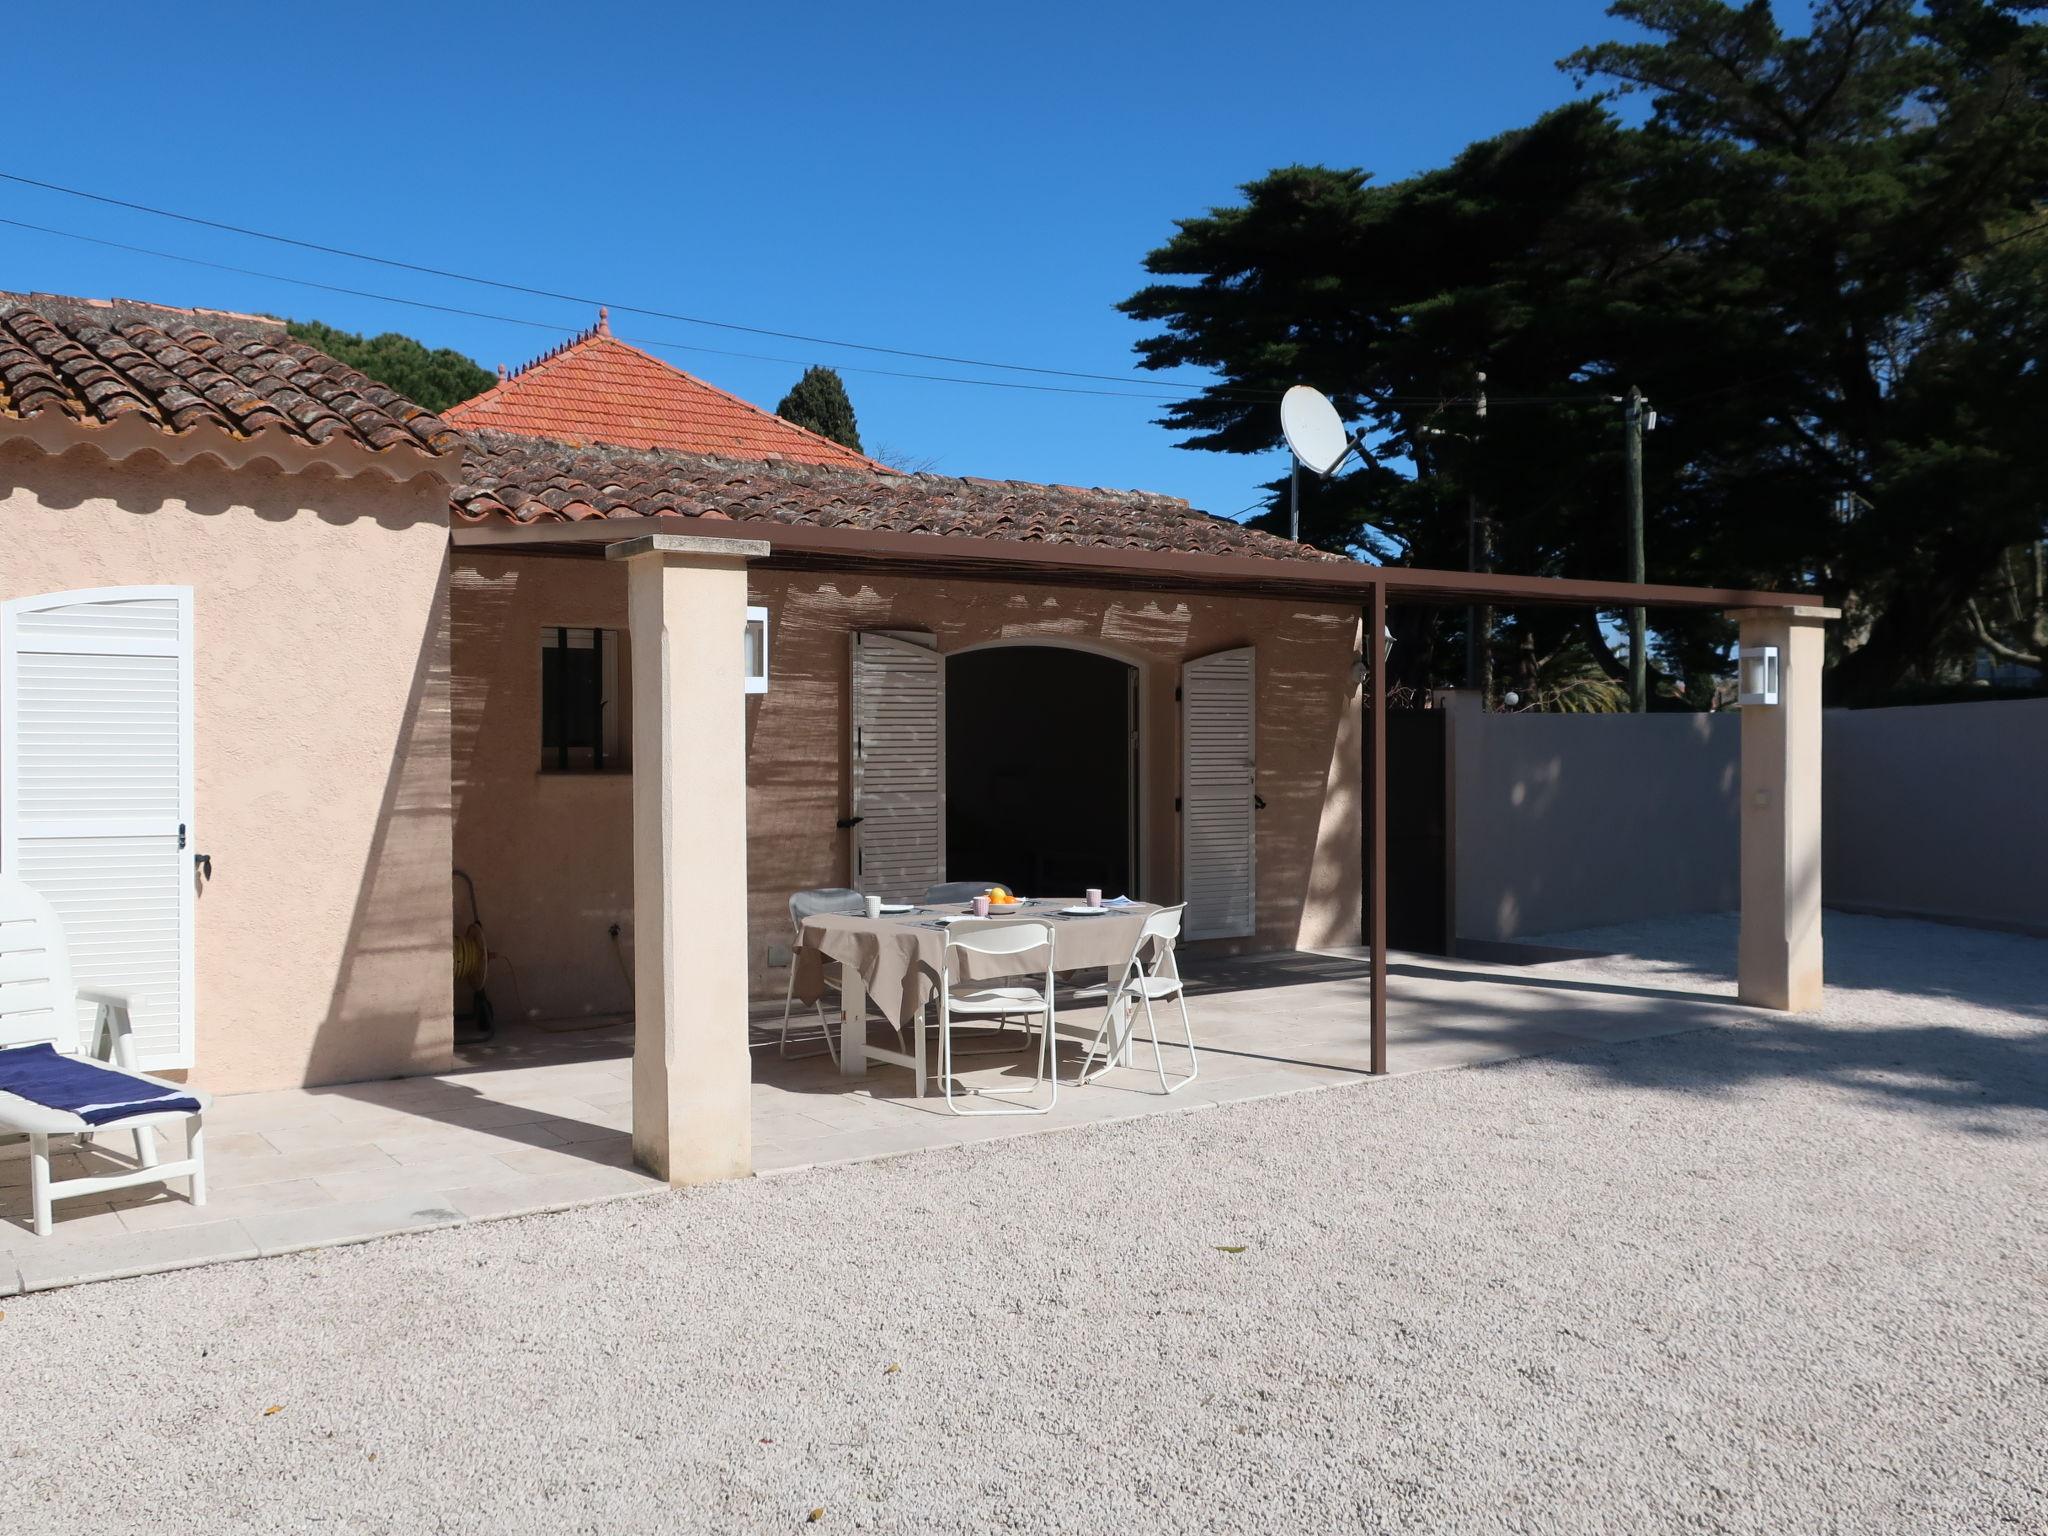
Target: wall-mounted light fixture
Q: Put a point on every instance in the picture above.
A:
(1358, 662)
(756, 650)
(1756, 672)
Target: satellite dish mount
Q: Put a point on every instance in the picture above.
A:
(1316, 435)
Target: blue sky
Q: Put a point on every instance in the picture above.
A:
(976, 181)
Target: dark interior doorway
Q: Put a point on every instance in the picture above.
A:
(1041, 769)
(1418, 845)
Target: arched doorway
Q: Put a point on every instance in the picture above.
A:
(1042, 769)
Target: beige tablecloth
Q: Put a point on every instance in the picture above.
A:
(897, 958)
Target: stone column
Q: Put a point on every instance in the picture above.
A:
(1779, 961)
(692, 1075)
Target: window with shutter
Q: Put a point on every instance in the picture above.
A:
(899, 765)
(1218, 822)
(96, 790)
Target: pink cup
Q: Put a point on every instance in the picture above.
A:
(981, 906)
(1094, 896)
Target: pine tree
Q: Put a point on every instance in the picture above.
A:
(436, 379)
(818, 403)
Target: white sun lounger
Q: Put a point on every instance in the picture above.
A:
(38, 1005)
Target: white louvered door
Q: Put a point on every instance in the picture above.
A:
(96, 790)
(899, 765)
(1219, 794)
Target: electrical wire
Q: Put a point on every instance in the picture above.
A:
(1163, 391)
(549, 293)
(659, 343)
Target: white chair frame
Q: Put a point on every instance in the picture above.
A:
(998, 938)
(853, 903)
(1141, 985)
(41, 1006)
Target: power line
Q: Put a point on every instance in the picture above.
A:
(563, 330)
(548, 293)
(1166, 390)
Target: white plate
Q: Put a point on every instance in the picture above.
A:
(892, 908)
(1082, 911)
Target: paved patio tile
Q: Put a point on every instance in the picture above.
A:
(382, 1183)
(563, 1104)
(282, 1167)
(355, 1221)
(435, 1144)
(72, 1220)
(132, 1253)
(617, 1153)
(163, 1210)
(337, 1133)
(573, 1132)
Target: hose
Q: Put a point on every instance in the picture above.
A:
(473, 963)
(472, 959)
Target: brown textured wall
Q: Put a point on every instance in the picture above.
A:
(320, 734)
(552, 853)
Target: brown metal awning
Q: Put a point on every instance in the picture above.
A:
(795, 546)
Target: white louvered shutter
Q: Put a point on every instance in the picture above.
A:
(96, 791)
(1218, 822)
(899, 765)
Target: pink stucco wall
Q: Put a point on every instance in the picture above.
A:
(552, 854)
(321, 741)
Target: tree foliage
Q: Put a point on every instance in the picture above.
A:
(1821, 255)
(818, 403)
(436, 379)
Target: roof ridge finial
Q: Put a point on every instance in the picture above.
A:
(604, 321)
(501, 373)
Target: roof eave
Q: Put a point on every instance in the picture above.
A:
(132, 436)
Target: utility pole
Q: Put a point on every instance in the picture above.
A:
(1478, 557)
(1638, 657)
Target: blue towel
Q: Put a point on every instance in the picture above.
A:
(94, 1093)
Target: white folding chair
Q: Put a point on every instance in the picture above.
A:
(39, 1005)
(974, 1000)
(808, 904)
(1146, 980)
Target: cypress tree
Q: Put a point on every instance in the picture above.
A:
(819, 404)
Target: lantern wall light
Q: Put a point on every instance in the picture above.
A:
(755, 650)
(1358, 662)
(1756, 671)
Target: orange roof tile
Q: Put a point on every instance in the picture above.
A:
(599, 390)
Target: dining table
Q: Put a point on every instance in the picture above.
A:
(893, 961)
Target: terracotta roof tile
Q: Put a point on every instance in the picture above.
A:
(99, 360)
(527, 480)
(597, 389)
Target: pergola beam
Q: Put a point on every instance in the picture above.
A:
(1333, 581)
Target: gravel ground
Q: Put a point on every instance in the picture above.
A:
(1786, 1276)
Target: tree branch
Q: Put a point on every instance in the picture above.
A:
(1992, 643)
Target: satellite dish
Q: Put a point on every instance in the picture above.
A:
(1314, 429)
